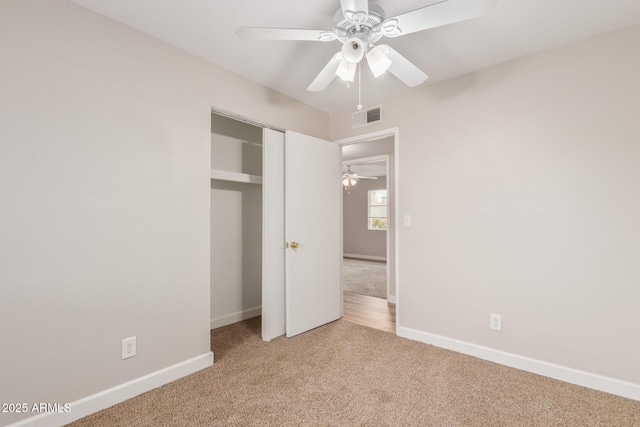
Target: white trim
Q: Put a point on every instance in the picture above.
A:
(369, 257)
(388, 229)
(551, 370)
(238, 316)
(391, 299)
(369, 159)
(341, 251)
(369, 136)
(104, 399)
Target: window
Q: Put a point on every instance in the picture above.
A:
(377, 209)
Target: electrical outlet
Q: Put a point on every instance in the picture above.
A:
(496, 322)
(128, 347)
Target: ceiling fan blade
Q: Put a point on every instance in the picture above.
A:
(436, 15)
(357, 176)
(255, 33)
(403, 69)
(356, 11)
(326, 76)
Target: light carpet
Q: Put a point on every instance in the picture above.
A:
(344, 374)
(365, 277)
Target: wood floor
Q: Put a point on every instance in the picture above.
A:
(370, 311)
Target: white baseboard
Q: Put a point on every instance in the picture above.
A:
(391, 299)
(368, 257)
(235, 317)
(562, 373)
(99, 401)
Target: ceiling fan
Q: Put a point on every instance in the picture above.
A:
(359, 24)
(350, 178)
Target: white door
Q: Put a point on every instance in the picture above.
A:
(273, 253)
(313, 209)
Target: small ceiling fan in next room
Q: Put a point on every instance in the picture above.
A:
(360, 24)
(350, 178)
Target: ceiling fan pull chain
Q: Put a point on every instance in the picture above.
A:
(359, 86)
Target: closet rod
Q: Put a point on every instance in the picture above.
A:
(235, 116)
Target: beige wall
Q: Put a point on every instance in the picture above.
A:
(358, 239)
(104, 185)
(522, 182)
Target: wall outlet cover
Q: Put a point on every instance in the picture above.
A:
(496, 322)
(129, 347)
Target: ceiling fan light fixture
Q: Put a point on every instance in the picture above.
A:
(378, 61)
(353, 50)
(346, 71)
(359, 24)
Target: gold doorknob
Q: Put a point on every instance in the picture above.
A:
(294, 245)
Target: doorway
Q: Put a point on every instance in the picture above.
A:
(369, 230)
(365, 199)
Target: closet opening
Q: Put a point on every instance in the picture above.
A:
(236, 221)
(268, 256)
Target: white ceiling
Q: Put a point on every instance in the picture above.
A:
(515, 28)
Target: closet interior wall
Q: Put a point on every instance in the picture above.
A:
(236, 221)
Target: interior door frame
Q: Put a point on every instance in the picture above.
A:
(395, 133)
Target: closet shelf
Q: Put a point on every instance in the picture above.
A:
(235, 176)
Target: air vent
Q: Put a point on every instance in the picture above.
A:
(363, 118)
